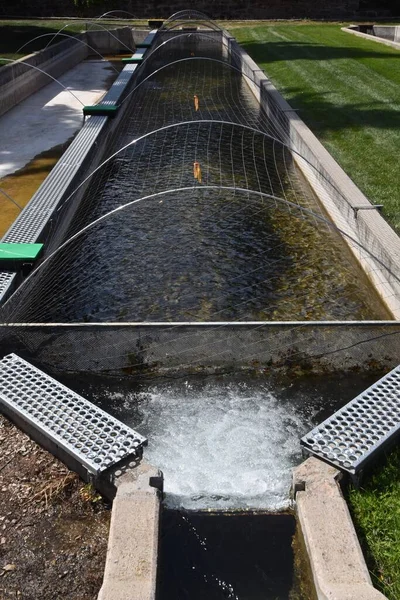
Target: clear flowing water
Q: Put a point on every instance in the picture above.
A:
(222, 447)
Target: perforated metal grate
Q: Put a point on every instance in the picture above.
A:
(87, 433)
(6, 280)
(29, 225)
(350, 437)
(112, 97)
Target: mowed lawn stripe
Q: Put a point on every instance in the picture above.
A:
(347, 90)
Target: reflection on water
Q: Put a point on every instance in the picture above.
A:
(219, 557)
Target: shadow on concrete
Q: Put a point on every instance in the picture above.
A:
(60, 116)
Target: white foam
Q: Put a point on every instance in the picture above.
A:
(222, 447)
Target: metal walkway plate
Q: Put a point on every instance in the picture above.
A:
(352, 435)
(88, 434)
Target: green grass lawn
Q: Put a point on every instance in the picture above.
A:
(13, 34)
(376, 512)
(347, 90)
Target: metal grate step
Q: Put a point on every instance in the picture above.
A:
(352, 435)
(88, 434)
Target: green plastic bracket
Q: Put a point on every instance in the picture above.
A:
(20, 252)
(101, 110)
(133, 60)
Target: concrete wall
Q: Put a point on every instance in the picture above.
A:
(154, 349)
(387, 32)
(336, 191)
(132, 552)
(111, 41)
(18, 81)
(338, 567)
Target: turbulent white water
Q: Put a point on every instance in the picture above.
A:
(221, 447)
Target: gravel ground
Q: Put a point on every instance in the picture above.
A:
(53, 527)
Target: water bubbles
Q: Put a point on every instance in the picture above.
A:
(222, 446)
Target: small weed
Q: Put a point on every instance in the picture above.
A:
(55, 489)
(89, 494)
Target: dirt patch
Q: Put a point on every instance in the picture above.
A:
(53, 527)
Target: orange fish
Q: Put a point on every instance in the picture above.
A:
(197, 171)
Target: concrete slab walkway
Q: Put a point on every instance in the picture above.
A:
(52, 115)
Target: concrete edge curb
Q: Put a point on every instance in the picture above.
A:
(337, 563)
(131, 564)
(372, 38)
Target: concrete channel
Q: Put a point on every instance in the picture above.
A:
(389, 35)
(338, 568)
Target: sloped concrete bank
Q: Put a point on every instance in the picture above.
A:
(352, 213)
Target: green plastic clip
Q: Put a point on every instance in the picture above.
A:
(19, 252)
(133, 60)
(101, 110)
